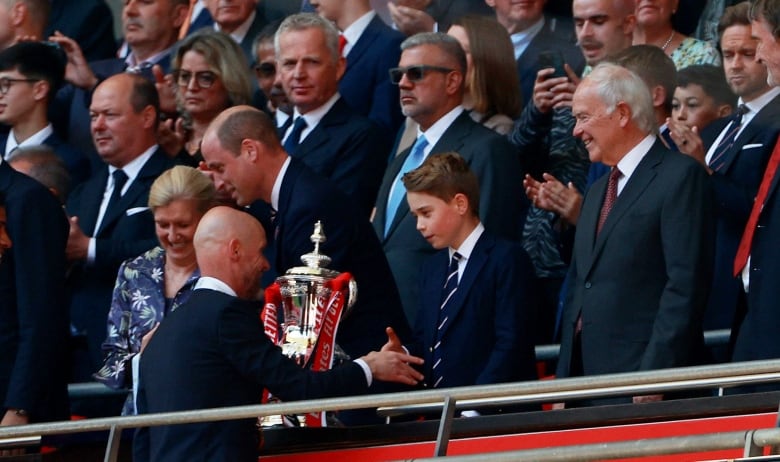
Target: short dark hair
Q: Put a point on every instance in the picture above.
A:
(144, 94)
(46, 167)
(735, 15)
(769, 11)
(36, 60)
(249, 123)
(443, 176)
(711, 79)
(652, 65)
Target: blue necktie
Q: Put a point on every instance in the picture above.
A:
(292, 141)
(718, 159)
(447, 292)
(398, 192)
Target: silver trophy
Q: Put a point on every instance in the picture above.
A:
(306, 293)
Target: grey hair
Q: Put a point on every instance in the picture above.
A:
(446, 43)
(615, 84)
(304, 21)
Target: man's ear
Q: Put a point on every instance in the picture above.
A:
(41, 90)
(19, 13)
(234, 249)
(149, 116)
(250, 149)
(454, 82)
(623, 110)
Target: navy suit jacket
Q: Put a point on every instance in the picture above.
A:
(306, 197)
(246, 44)
(366, 85)
(501, 206)
(350, 150)
(547, 40)
(89, 22)
(33, 314)
(228, 363)
(640, 285)
(76, 163)
(735, 185)
(489, 335)
(120, 237)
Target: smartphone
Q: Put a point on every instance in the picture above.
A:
(552, 59)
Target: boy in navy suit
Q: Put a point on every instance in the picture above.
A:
(474, 321)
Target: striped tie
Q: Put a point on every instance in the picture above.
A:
(448, 291)
(718, 159)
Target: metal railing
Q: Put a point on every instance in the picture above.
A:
(637, 383)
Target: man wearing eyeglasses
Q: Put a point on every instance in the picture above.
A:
(430, 79)
(110, 220)
(30, 74)
(326, 133)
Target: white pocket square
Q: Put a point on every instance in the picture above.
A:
(754, 145)
(135, 210)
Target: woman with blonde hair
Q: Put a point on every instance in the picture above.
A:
(158, 281)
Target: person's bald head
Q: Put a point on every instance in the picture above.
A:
(229, 246)
(243, 151)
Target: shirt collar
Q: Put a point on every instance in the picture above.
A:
(759, 103)
(278, 184)
(240, 32)
(132, 63)
(314, 116)
(133, 168)
(281, 117)
(435, 131)
(631, 160)
(520, 40)
(353, 32)
(36, 139)
(467, 246)
(207, 282)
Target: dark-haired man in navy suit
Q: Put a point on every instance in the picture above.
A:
(242, 20)
(110, 218)
(371, 48)
(325, 132)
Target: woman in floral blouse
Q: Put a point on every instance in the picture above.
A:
(158, 281)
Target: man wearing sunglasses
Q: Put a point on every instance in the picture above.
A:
(430, 79)
(277, 104)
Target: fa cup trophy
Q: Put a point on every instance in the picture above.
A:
(313, 299)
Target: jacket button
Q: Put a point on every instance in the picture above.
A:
(588, 285)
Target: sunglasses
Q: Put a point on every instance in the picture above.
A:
(414, 73)
(204, 79)
(265, 70)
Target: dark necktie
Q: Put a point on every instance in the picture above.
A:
(447, 292)
(718, 159)
(743, 251)
(609, 198)
(292, 141)
(120, 178)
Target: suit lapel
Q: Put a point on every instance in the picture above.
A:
(633, 190)
(431, 296)
(762, 119)
(321, 133)
(363, 45)
(285, 197)
(92, 196)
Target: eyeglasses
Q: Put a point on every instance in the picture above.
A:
(204, 79)
(265, 70)
(6, 82)
(414, 73)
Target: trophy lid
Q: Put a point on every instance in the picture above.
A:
(316, 262)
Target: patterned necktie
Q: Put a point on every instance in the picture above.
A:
(449, 289)
(120, 178)
(610, 197)
(398, 192)
(294, 139)
(718, 159)
(743, 251)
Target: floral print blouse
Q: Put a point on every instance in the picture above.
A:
(137, 305)
(692, 51)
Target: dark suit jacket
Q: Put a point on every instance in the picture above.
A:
(257, 25)
(228, 363)
(735, 186)
(76, 163)
(489, 335)
(757, 335)
(444, 12)
(33, 315)
(547, 40)
(89, 22)
(121, 236)
(366, 85)
(501, 206)
(641, 284)
(350, 150)
(305, 197)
